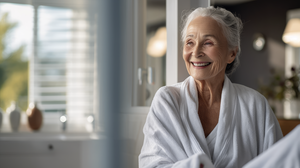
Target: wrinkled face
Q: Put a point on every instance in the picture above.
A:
(205, 51)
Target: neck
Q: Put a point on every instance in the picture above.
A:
(209, 91)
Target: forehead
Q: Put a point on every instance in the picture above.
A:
(204, 25)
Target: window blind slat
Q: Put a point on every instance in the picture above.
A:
(64, 62)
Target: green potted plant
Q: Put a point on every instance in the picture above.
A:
(292, 95)
(283, 94)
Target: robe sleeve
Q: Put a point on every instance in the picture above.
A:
(285, 153)
(273, 131)
(162, 146)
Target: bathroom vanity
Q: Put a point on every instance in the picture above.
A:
(49, 150)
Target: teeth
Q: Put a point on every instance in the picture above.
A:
(201, 64)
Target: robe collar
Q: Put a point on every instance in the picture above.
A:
(189, 113)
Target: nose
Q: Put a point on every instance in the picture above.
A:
(197, 52)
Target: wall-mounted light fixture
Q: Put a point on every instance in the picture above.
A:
(258, 41)
(157, 45)
(291, 33)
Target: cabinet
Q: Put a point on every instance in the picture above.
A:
(288, 125)
(49, 150)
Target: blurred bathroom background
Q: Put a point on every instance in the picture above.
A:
(92, 68)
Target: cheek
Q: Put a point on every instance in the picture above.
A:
(219, 59)
(217, 56)
(186, 58)
(186, 55)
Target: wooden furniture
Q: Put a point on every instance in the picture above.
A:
(288, 125)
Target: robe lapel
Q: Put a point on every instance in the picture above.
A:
(189, 114)
(192, 124)
(226, 121)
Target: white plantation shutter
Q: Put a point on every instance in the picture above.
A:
(62, 68)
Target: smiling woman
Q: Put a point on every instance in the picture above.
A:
(206, 54)
(230, 28)
(206, 51)
(207, 121)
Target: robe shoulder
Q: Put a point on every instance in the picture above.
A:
(257, 114)
(166, 104)
(167, 95)
(168, 91)
(247, 93)
(253, 104)
(252, 101)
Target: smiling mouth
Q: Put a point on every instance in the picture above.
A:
(201, 64)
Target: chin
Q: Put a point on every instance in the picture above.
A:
(206, 76)
(200, 77)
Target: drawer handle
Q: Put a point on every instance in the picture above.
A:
(50, 147)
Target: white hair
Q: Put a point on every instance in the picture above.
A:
(230, 24)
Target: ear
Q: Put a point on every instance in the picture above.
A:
(232, 55)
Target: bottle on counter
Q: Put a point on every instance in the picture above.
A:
(1, 118)
(34, 116)
(14, 114)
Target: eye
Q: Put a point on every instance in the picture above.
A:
(189, 43)
(208, 43)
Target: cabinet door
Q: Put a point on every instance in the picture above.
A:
(156, 56)
(150, 45)
(40, 153)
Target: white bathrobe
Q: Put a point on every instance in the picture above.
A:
(284, 154)
(174, 137)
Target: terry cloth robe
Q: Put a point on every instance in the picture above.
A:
(285, 153)
(174, 137)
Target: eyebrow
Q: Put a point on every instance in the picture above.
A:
(189, 36)
(207, 35)
(210, 35)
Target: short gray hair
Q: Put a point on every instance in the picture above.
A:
(231, 25)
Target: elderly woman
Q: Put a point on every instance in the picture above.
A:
(207, 121)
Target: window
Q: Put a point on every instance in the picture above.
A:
(14, 53)
(60, 49)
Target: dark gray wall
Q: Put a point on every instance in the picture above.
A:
(269, 18)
